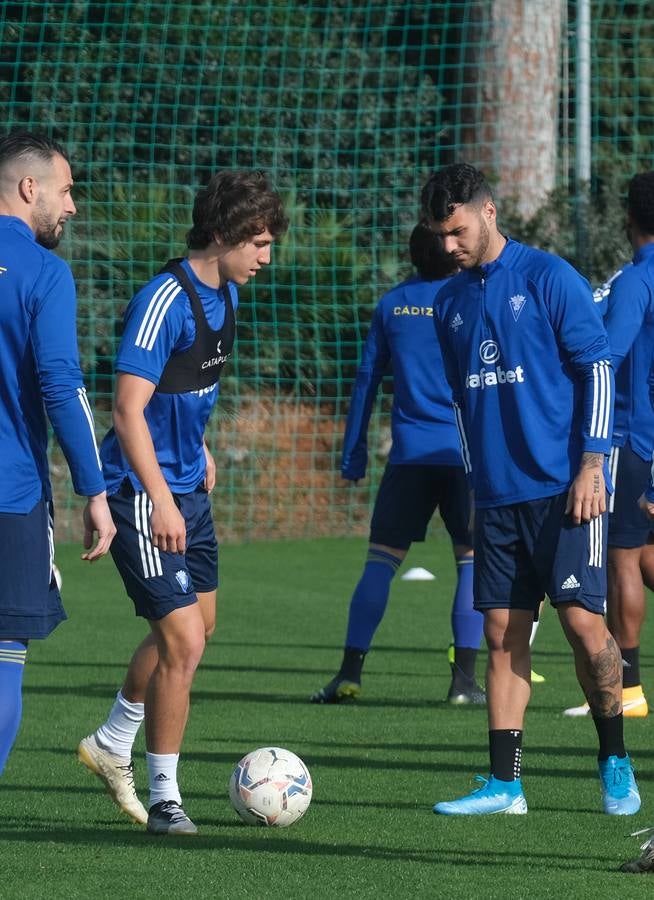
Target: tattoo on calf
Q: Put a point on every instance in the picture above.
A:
(604, 670)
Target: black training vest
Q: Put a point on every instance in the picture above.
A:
(200, 366)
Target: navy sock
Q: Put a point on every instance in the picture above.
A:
(352, 664)
(463, 667)
(467, 622)
(12, 663)
(370, 597)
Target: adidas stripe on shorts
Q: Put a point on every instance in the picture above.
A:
(159, 582)
(528, 550)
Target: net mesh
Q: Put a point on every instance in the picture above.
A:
(348, 106)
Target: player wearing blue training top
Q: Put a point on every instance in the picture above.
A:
(179, 332)
(424, 471)
(629, 321)
(528, 359)
(39, 374)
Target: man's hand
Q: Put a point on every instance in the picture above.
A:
(210, 470)
(587, 494)
(168, 526)
(97, 517)
(647, 506)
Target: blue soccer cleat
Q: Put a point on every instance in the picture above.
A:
(494, 796)
(620, 796)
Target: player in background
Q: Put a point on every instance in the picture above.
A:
(528, 359)
(645, 862)
(39, 373)
(629, 321)
(424, 471)
(179, 332)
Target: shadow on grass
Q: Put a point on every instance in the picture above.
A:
(273, 842)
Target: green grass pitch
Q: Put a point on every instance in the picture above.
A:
(377, 766)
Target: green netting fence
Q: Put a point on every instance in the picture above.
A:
(348, 106)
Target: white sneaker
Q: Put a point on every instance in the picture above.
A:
(117, 776)
(633, 707)
(582, 710)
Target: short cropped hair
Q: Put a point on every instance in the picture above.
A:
(428, 254)
(236, 205)
(640, 201)
(28, 144)
(451, 186)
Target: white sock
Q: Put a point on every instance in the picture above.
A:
(119, 731)
(534, 629)
(162, 772)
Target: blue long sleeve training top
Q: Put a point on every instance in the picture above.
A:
(629, 322)
(422, 419)
(528, 359)
(39, 372)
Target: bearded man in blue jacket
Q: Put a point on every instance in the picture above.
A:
(529, 363)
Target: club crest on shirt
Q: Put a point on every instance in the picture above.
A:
(183, 579)
(516, 303)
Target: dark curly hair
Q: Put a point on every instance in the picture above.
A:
(457, 184)
(236, 205)
(428, 255)
(640, 201)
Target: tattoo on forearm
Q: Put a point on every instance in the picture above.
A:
(604, 671)
(591, 460)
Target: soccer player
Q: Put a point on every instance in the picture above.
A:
(39, 373)
(179, 332)
(528, 359)
(629, 321)
(424, 471)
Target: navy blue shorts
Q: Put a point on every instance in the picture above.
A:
(407, 498)
(159, 582)
(527, 550)
(628, 524)
(30, 604)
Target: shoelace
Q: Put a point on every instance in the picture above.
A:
(649, 840)
(129, 773)
(174, 810)
(483, 782)
(621, 781)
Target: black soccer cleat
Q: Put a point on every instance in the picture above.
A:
(339, 690)
(466, 693)
(168, 817)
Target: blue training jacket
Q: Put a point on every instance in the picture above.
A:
(528, 359)
(39, 367)
(422, 419)
(629, 321)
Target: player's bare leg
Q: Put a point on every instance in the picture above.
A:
(508, 686)
(598, 664)
(108, 751)
(508, 675)
(146, 656)
(180, 638)
(625, 617)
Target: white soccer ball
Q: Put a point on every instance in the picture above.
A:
(270, 786)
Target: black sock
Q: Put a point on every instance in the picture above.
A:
(352, 664)
(611, 737)
(630, 667)
(464, 663)
(505, 753)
